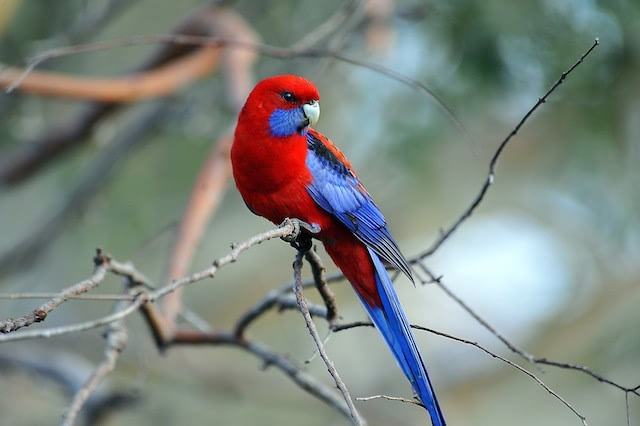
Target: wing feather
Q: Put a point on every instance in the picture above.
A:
(338, 191)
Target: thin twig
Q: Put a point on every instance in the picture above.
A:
(582, 418)
(303, 380)
(626, 404)
(390, 398)
(517, 350)
(476, 316)
(74, 328)
(39, 314)
(287, 229)
(483, 349)
(496, 156)
(95, 297)
(304, 308)
(274, 299)
(116, 341)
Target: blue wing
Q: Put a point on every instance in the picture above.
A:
(338, 191)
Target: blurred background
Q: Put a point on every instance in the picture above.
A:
(550, 258)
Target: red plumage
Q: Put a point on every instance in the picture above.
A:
(272, 177)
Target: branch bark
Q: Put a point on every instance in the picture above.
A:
(116, 337)
(313, 331)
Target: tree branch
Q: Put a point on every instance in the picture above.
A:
(226, 42)
(39, 314)
(319, 279)
(116, 337)
(517, 350)
(313, 331)
(535, 378)
(156, 82)
(270, 359)
(445, 235)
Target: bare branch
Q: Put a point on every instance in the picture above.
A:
(302, 303)
(496, 156)
(287, 229)
(95, 297)
(485, 350)
(39, 314)
(161, 81)
(390, 398)
(274, 299)
(318, 270)
(517, 350)
(116, 341)
(270, 359)
(279, 298)
(74, 328)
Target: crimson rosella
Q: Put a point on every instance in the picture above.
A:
(284, 168)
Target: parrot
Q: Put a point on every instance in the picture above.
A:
(284, 168)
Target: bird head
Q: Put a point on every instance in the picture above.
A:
(285, 105)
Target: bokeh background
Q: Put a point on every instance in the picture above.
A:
(551, 257)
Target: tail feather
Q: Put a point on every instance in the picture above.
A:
(392, 323)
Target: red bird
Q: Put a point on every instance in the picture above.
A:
(284, 168)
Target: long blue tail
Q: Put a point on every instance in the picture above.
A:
(392, 322)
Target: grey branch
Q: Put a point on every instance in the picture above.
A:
(390, 398)
(489, 180)
(535, 378)
(39, 314)
(313, 331)
(517, 350)
(142, 301)
(135, 277)
(116, 341)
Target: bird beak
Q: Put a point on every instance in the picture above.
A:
(312, 112)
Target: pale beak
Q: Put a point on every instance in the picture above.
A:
(312, 112)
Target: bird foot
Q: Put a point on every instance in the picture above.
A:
(301, 237)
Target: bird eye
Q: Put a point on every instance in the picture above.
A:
(289, 97)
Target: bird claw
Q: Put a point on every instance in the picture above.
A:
(300, 238)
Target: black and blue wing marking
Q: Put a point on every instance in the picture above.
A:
(338, 191)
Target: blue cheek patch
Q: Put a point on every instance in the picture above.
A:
(285, 122)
